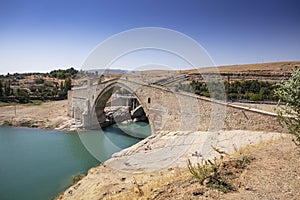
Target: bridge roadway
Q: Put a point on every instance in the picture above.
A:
(166, 109)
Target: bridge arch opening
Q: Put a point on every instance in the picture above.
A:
(117, 105)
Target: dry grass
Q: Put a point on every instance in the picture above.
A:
(274, 67)
(178, 183)
(147, 186)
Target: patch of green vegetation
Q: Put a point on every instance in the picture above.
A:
(35, 103)
(27, 124)
(45, 86)
(77, 178)
(63, 74)
(7, 123)
(209, 176)
(217, 175)
(31, 103)
(252, 90)
(7, 103)
(289, 115)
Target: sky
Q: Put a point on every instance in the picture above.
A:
(42, 35)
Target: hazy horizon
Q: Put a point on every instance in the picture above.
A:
(124, 69)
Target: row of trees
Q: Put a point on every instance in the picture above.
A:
(60, 74)
(63, 74)
(41, 90)
(44, 89)
(251, 89)
(245, 89)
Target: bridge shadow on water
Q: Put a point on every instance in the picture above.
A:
(104, 142)
(139, 130)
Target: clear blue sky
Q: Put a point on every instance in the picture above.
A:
(43, 35)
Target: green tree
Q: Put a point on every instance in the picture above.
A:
(39, 81)
(62, 92)
(289, 92)
(7, 89)
(55, 90)
(62, 86)
(63, 74)
(68, 84)
(1, 90)
(22, 95)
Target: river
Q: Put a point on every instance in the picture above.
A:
(39, 164)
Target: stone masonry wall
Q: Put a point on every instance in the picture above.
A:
(171, 111)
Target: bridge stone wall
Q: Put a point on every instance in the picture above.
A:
(168, 110)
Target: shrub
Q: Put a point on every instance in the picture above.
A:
(7, 123)
(209, 175)
(219, 175)
(77, 178)
(289, 92)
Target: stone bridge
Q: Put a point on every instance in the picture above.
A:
(167, 109)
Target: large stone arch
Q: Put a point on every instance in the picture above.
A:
(102, 95)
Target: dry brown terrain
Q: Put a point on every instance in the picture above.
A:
(274, 67)
(274, 173)
(48, 115)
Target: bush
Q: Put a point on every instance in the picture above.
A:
(39, 81)
(289, 92)
(255, 97)
(22, 95)
(209, 175)
(7, 123)
(220, 175)
(77, 178)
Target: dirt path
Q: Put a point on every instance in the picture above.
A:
(48, 115)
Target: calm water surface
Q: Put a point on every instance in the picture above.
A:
(39, 164)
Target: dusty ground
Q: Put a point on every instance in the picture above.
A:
(48, 115)
(273, 173)
(274, 68)
(128, 175)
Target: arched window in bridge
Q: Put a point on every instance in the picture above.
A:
(149, 100)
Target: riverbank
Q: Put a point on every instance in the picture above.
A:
(47, 115)
(273, 173)
(141, 171)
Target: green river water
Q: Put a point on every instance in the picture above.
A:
(39, 164)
